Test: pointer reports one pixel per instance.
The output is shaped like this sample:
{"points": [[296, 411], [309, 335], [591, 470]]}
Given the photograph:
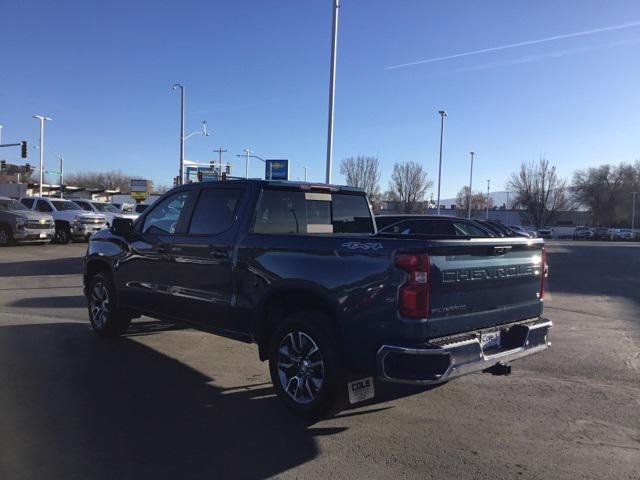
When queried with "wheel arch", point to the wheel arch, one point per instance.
{"points": [[286, 298]]}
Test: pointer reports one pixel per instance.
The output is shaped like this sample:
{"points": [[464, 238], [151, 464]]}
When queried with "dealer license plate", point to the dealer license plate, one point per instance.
{"points": [[489, 341]]}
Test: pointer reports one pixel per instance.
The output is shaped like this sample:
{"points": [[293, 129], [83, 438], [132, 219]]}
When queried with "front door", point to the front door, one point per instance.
{"points": [[147, 274]]}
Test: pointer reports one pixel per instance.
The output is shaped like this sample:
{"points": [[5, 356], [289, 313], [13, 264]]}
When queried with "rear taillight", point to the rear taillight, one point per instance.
{"points": [[413, 297], [544, 272]]}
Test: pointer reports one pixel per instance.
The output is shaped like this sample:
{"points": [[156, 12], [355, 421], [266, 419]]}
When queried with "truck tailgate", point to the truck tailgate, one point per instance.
{"points": [[480, 283]]}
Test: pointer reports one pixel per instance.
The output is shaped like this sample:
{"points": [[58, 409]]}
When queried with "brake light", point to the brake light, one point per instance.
{"points": [[413, 296], [544, 272]]}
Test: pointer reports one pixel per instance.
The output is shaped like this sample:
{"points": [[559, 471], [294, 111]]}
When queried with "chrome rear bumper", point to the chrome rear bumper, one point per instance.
{"points": [[441, 360]]}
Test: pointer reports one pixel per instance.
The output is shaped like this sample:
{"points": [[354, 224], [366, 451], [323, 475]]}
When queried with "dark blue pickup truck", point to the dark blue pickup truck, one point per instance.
{"points": [[300, 270]]}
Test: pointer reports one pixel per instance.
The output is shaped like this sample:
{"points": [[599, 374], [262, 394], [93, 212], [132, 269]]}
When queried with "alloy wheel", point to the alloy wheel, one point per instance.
{"points": [[99, 304], [300, 367]]}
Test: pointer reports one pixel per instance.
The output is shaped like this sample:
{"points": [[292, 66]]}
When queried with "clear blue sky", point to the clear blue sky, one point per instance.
{"points": [[257, 71]]}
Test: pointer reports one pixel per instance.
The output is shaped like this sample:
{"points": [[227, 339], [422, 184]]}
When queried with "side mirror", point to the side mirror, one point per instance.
{"points": [[122, 226]]}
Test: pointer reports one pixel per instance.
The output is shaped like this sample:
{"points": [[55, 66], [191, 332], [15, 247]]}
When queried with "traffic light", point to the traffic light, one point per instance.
{"points": [[227, 169], [23, 146], [27, 168], [175, 181], [3, 166], [199, 175]]}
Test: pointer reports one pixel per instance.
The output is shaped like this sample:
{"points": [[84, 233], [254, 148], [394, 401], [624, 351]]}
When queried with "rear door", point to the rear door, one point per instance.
{"points": [[480, 283]]}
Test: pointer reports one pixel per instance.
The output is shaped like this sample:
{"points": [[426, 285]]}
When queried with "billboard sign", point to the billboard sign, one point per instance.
{"points": [[139, 185], [276, 170]]}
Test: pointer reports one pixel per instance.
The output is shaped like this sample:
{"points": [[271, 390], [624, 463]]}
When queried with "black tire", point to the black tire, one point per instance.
{"points": [[107, 319], [63, 233], [6, 236], [308, 330]]}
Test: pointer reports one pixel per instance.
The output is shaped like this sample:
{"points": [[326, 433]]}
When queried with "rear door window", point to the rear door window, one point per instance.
{"points": [[290, 211]]}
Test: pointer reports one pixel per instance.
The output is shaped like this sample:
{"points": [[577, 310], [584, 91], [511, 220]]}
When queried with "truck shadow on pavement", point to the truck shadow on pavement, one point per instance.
{"points": [[77, 406], [55, 266]]}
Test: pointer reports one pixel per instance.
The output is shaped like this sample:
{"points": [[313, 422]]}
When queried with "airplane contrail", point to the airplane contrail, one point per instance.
{"points": [[519, 44]]}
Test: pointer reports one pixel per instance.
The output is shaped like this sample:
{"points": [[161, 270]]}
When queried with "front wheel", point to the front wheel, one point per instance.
{"points": [[106, 318], [63, 233], [6, 238], [304, 364]]}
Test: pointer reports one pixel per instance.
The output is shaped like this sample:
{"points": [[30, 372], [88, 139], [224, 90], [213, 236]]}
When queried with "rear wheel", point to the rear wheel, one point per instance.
{"points": [[6, 237], [63, 233], [304, 364], [107, 319]]}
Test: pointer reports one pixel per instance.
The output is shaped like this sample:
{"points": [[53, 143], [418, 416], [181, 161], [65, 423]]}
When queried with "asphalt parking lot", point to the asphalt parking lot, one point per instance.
{"points": [[168, 402]]}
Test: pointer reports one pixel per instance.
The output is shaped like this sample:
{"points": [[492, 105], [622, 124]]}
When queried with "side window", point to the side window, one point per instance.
{"points": [[432, 227], [215, 211], [43, 206], [281, 211], [165, 215], [27, 202], [465, 229]]}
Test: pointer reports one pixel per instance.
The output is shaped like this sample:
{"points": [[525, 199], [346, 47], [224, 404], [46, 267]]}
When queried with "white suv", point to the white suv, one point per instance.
{"points": [[70, 220], [106, 209]]}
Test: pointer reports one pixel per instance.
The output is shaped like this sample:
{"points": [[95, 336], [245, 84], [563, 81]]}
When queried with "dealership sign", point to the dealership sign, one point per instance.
{"points": [[276, 170]]}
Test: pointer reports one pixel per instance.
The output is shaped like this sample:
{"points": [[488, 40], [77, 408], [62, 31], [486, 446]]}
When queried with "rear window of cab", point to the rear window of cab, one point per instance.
{"points": [[307, 213]]}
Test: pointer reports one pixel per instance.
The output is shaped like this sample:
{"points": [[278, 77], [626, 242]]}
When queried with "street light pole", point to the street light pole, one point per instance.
{"points": [[470, 184], [248, 153], [442, 115], [488, 190], [332, 89], [1, 134], [305, 174], [180, 174], [61, 174], [42, 119]]}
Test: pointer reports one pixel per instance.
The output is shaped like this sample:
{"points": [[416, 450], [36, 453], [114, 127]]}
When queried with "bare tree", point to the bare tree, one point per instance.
{"points": [[539, 191], [408, 185], [606, 192], [363, 172], [478, 200], [108, 180]]}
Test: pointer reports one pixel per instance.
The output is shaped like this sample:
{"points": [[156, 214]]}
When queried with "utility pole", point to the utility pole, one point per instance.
{"points": [[1, 134], [633, 210], [442, 115], [332, 89], [181, 170], [246, 162], [470, 183], [305, 174], [220, 151], [42, 119], [488, 197], [61, 174]]}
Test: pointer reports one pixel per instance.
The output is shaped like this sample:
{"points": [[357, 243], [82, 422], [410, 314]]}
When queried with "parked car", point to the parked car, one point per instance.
{"points": [[583, 233], [430, 225], [602, 233], [70, 220], [18, 223], [109, 211], [125, 207], [545, 232], [299, 270], [503, 230], [623, 234], [140, 207], [522, 231]]}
